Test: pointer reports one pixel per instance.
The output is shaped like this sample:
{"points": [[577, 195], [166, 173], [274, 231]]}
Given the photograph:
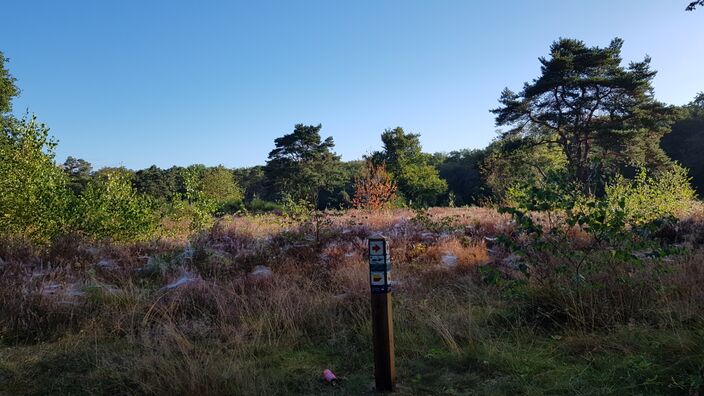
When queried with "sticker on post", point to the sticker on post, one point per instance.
{"points": [[379, 282], [377, 248], [378, 279]]}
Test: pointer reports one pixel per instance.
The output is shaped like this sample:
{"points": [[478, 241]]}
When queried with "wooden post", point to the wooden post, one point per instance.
{"points": [[382, 315]]}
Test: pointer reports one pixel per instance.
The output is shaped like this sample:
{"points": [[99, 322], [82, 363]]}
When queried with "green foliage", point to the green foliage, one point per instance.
{"points": [[33, 193], [418, 180], [194, 203], [564, 205], [302, 165], [79, 173], [297, 209], [219, 185], [311, 223], [161, 184], [685, 144], [614, 227], [461, 170], [593, 262], [509, 162], [425, 220], [252, 181], [421, 183], [260, 205], [340, 195], [110, 208], [602, 115], [647, 198], [8, 89]]}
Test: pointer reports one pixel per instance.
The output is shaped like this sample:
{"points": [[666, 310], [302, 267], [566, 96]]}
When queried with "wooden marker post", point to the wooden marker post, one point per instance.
{"points": [[382, 317]]}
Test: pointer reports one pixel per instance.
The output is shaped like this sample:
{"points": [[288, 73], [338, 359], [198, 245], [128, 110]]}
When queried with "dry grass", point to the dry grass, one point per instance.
{"points": [[223, 328]]}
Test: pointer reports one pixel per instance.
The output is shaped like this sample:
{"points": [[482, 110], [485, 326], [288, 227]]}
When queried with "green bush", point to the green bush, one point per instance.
{"points": [[33, 194], [230, 206], [583, 249], [650, 198], [260, 205], [110, 208]]}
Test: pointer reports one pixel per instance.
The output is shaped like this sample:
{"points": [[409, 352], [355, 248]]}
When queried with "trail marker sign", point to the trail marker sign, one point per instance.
{"points": [[379, 265], [382, 316]]}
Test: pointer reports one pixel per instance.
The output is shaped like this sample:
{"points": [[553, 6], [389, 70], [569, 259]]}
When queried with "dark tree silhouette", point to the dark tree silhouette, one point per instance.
{"points": [[693, 5], [302, 164]]}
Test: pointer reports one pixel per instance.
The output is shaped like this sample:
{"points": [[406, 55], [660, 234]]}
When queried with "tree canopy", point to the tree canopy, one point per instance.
{"points": [[79, 173], [602, 115], [8, 89], [693, 5], [461, 170], [303, 165], [33, 192], [418, 180], [685, 143], [162, 184]]}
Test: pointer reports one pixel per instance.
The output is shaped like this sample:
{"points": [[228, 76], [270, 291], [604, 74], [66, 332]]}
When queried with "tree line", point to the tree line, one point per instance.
{"points": [[587, 119]]}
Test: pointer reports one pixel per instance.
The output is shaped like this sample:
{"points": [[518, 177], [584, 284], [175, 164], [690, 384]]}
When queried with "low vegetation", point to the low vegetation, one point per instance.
{"points": [[257, 305]]}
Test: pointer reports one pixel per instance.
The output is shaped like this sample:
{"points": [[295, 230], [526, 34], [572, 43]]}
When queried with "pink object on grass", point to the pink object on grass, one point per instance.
{"points": [[329, 376]]}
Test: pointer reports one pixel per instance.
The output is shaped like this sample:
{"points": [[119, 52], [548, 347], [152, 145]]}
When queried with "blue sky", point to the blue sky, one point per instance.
{"points": [[136, 83]]}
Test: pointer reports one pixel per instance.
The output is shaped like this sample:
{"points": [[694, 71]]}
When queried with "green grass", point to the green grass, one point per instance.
{"points": [[511, 361]]}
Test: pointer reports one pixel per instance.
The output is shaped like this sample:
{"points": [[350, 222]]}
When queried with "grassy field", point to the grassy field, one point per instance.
{"points": [[263, 304]]}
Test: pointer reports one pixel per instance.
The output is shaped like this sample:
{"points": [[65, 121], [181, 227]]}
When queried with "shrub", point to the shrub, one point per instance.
{"points": [[33, 193], [373, 189], [260, 205], [230, 207], [110, 208], [608, 274], [194, 204], [650, 198], [425, 220], [218, 184]]}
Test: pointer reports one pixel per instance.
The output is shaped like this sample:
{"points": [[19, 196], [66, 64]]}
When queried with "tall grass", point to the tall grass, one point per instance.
{"points": [[112, 326]]}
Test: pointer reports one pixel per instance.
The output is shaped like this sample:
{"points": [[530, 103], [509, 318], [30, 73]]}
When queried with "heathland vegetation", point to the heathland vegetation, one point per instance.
{"points": [[564, 258]]}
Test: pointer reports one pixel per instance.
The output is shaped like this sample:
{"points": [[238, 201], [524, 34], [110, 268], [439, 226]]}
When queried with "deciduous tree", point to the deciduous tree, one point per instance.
{"points": [[161, 184], [220, 186], [8, 89], [110, 208], [373, 189], [417, 178], [33, 193]]}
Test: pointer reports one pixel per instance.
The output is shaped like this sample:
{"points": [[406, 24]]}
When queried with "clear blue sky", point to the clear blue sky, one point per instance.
{"points": [[136, 83]]}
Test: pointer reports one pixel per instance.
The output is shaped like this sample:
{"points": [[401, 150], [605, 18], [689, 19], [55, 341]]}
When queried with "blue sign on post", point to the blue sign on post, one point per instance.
{"points": [[379, 265]]}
